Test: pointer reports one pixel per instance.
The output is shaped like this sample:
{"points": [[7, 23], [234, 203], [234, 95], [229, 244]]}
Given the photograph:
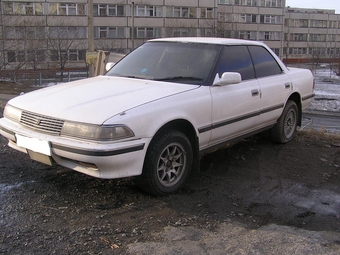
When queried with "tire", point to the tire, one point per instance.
{"points": [[285, 128], [167, 163]]}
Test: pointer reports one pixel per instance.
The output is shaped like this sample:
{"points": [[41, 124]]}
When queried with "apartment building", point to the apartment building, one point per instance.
{"points": [[54, 33], [311, 35]]}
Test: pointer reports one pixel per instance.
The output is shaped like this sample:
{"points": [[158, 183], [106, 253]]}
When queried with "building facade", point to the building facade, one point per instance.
{"points": [[54, 33]]}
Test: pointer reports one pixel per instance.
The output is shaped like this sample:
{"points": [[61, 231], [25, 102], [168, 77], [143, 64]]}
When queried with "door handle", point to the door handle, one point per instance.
{"points": [[255, 92], [287, 85]]}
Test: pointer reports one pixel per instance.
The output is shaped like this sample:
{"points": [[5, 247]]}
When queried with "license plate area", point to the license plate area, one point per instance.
{"points": [[34, 144], [42, 158]]}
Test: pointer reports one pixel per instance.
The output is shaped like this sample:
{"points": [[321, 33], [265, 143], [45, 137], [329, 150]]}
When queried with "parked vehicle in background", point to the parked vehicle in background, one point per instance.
{"points": [[157, 109]]}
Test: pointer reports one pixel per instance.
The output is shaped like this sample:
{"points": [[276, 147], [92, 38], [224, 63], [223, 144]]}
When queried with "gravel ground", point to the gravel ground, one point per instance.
{"points": [[253, 197]]}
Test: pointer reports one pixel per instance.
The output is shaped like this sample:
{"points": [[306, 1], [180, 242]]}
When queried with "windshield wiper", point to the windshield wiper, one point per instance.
{"points": [[175, 78]]}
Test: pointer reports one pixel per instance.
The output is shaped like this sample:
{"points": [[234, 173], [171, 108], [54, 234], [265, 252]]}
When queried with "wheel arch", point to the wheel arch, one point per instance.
{"points": [[295, 97], [188, 130]]}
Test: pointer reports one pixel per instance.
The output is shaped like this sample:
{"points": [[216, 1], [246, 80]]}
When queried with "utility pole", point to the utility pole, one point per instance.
{"points": [[133, 25], [2, 36], [90, 34]]}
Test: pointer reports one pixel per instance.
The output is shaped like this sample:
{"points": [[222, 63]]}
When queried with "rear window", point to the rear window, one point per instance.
{"points": [[264, 62]]}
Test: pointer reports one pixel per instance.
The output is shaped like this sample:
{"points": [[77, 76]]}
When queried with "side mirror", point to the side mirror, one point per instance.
{"points": [[109, 65], [228, 78]]}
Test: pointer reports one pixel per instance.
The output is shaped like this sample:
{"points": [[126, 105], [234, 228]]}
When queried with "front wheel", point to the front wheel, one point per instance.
{"points": [[167, 163], [285, 128]]}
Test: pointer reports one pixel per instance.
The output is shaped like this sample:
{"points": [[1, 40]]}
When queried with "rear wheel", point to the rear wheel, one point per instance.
{"points": [[285, 128], [167, 163]]}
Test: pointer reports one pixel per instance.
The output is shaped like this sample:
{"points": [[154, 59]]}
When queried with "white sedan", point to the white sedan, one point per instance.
{"points": [[156, 110]]}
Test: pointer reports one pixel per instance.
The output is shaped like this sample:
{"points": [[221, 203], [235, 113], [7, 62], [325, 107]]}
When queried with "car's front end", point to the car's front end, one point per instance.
{"points": [[86, 125]]}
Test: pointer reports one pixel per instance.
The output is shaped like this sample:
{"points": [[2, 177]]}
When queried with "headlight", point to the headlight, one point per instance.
{"points": [[96, 132], [12, 113]]}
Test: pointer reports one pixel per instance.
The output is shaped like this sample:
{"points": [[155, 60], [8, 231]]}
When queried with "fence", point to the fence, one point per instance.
{"points": [[43, 77]]}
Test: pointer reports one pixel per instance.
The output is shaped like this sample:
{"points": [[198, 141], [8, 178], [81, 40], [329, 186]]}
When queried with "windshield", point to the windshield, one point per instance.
{"points": [[189, 63]]}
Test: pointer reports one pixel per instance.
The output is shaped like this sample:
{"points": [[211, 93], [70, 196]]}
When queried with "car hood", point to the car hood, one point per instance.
{"points": [[96, 99]]}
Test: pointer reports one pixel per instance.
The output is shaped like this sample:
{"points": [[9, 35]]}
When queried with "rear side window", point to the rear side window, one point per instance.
{"points": [[264, 62], [236, 59]]}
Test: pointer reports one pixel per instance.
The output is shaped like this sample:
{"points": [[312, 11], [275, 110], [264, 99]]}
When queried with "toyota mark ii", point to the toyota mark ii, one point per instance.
{"points": [[159, 108]]}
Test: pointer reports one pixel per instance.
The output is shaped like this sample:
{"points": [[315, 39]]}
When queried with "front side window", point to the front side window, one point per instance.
{"points": [[236, 59], [264, 62]]}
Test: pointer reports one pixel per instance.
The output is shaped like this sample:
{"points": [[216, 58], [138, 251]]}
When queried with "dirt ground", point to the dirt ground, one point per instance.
{"points": [[253, 197]]}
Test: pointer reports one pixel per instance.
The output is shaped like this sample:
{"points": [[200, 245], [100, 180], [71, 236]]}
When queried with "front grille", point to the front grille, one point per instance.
{"points": [[41, 123]]}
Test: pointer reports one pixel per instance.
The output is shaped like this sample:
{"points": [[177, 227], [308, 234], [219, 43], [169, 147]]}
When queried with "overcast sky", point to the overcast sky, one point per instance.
{"points": [[315, 4]]}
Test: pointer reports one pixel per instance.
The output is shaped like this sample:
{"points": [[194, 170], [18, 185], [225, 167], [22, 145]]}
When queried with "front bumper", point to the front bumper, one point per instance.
{"points": [[103, 160]]}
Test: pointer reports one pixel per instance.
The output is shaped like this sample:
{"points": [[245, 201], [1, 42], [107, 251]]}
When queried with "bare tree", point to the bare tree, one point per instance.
{"points": [[317, 53], [62, 42], [216, 28]]}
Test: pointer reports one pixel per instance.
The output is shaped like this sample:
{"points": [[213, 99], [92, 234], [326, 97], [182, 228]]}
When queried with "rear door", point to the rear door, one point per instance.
{"points": [[275, 85]]}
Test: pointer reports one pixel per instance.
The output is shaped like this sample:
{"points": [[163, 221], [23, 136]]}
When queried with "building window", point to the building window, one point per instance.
{"points": [[66, 9], [15, 32], [23, 8], [297, 51], [269, 36], [12, 56], [181, 12], [317, 38], [71, 54], [148, 11], [109, 32], [332, 38], [331, 51], [271, 3], [25, 32], [26, 56], [297, 37], [36, 56], [248, 18], [67, 32], [298, 23], [224, 17], [246, 2], [224, 1], [270, 19], [207, 13], [248, 35], [317, 51], [333, 24], [147, 32], [318, 23], [108, 10], [183, 32]]}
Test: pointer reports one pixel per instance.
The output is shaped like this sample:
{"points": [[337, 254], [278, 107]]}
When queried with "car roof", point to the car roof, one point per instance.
{"points": [[211, 40]]}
